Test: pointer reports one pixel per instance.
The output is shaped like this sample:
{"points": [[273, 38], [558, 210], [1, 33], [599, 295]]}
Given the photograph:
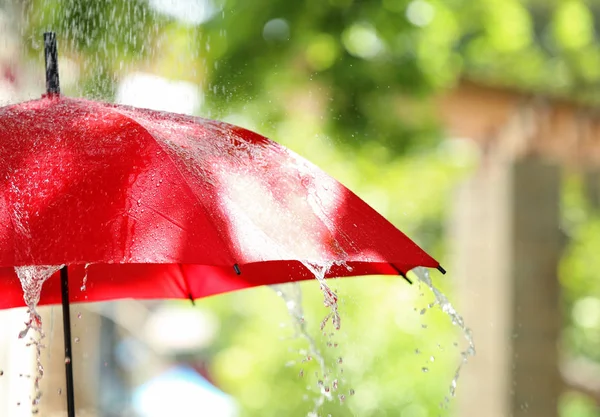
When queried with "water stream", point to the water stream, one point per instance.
{"points": [[329, 378], [292, 295], [442, 301], [32, 279]]}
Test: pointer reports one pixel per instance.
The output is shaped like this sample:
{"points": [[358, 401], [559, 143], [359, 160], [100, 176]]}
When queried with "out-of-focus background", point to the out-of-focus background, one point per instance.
{"points": [[471, 125]]}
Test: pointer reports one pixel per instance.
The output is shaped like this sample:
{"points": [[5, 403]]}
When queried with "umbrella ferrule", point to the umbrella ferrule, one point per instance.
{"points": [[51, 60]]}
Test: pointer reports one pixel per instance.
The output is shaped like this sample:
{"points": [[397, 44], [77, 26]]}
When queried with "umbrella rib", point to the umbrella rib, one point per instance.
{"points": [[187, 284], [402, 274]]}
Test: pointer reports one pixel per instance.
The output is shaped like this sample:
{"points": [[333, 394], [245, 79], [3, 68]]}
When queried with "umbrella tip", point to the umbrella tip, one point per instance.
{"points": [[442, 270], [51, 59]]}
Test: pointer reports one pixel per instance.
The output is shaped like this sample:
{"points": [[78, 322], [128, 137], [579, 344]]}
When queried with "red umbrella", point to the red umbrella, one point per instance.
{"points": [[170, 206]]}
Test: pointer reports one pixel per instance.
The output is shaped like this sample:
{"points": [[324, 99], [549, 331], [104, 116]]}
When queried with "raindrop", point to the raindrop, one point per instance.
{"points": [[334, 384], [60, 391], [425, 369], [351, 391], [301, 373], [432, 359], [79, 315], [417, 351], [76, 340], [342, 398], [67, 360]]}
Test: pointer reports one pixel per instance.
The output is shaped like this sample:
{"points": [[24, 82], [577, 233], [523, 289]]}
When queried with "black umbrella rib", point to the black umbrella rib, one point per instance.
{"points": [[402, 274]]}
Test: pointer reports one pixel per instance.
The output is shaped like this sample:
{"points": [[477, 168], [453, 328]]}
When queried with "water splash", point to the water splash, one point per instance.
{"points": [[291, 293], [32, 279], [442, 301], [330, 298], [85, 278]]}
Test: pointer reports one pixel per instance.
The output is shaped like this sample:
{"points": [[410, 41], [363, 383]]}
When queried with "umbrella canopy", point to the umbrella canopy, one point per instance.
{"points": [[148, 204], [171, 206]]}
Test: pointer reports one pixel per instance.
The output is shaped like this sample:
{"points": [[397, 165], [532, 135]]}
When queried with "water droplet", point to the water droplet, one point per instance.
{"points": [[60, 391], [67, 360], [334, 384], [78, 315], [351, 391], [76, 340], [340, 360], [417, 352], [425, 369], [301, 373], [423, 311], [342, 398], [432, 359]]}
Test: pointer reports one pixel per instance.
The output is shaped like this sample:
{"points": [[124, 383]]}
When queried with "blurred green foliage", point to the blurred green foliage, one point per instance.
{"points": [[347, 84]]}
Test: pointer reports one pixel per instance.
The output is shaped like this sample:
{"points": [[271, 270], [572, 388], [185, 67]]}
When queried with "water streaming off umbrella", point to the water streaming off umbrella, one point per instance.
{"points": [[444, 304], [292, 295], [32, 279]]}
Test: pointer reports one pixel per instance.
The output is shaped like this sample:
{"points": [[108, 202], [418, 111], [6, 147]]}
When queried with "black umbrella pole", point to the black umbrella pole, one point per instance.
{"points": [[51, 58], [64, 278]]}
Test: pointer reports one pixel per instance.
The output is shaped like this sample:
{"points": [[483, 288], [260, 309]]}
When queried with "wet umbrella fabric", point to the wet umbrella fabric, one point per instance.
{"points": [[171, 206]]}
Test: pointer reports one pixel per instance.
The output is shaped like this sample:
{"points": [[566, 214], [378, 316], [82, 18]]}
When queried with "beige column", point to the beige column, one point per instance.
{"points": [[507, 244]]}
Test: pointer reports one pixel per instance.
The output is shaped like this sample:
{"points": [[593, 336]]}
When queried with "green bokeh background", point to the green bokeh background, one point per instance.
{"points": [[349, 85]]}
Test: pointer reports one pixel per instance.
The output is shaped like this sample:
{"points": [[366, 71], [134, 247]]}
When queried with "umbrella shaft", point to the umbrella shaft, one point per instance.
{"points": [[64, 277]]}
